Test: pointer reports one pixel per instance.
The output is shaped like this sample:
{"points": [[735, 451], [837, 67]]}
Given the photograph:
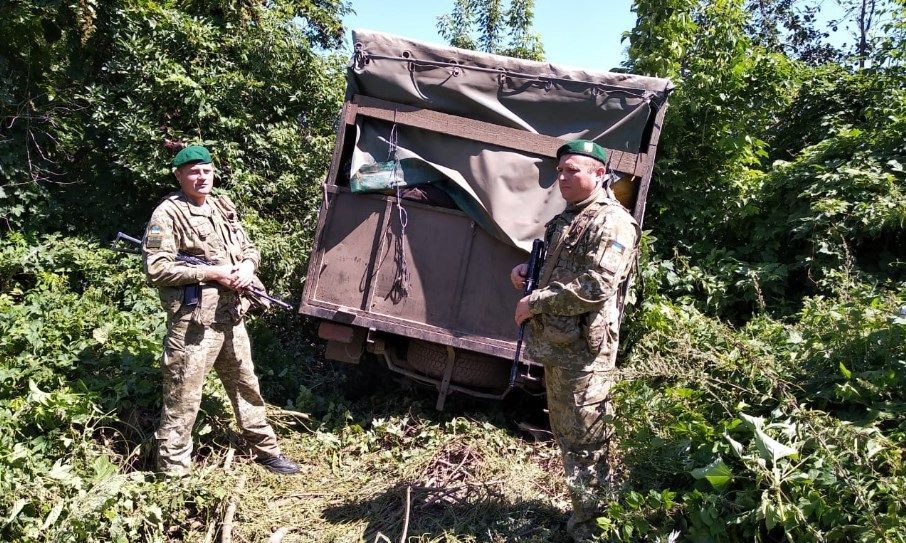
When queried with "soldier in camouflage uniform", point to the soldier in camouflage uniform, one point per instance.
{"points": [[211, 332], [575, 319]]}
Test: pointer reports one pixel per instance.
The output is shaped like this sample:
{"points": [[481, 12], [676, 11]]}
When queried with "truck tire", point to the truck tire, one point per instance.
{"points": [[470, 369]]}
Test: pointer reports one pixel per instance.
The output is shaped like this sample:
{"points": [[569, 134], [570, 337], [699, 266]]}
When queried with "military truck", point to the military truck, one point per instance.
{"points": [[443, 173]]}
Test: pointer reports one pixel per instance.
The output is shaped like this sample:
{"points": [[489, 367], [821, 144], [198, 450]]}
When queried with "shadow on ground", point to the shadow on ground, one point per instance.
{"points": [[433, 514]]}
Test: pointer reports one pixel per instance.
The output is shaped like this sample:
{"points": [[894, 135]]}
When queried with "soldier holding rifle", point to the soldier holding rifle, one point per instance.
{"points": [[574, 321], [205, 313]]}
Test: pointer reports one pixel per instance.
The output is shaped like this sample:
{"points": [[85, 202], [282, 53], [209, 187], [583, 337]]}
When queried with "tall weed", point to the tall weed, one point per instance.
{"points": [[787, 428]]}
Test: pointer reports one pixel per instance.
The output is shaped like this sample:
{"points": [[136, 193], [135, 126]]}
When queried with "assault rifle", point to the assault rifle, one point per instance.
{"points": [[533, 274], [193, 292]]}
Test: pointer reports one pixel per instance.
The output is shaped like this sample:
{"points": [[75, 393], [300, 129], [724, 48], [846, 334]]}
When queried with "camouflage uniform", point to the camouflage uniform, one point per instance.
{"points": [[574, 333], [211, 334]]}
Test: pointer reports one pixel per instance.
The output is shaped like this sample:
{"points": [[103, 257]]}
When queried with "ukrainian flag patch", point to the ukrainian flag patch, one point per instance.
{"points": [[613, 256], [155, 237]]}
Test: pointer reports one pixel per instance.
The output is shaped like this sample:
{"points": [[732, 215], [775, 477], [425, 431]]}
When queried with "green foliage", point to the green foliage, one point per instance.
{"points": [[483, 25], [96, 98], [79, 342], [778, 206], [73, 312], [784, 174], [790, 427], [662, 34], [793, 28], [109, 115]]}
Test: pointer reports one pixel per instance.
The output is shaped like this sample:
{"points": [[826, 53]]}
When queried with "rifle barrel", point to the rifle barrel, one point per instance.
{"points": [[533, 271], [120, 235]]}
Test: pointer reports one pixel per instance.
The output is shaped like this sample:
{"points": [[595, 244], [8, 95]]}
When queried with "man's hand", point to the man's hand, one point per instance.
{"points": [[223, 274], [517, 276], [243, 276], [522, 310]]}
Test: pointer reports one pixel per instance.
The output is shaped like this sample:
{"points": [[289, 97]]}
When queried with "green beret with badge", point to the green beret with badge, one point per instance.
{"points": [[583, 147], [193, 154]]}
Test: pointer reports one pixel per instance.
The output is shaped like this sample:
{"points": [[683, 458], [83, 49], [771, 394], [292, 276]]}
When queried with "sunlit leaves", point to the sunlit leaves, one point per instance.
{"points": [[717, 473], [493, 26]]}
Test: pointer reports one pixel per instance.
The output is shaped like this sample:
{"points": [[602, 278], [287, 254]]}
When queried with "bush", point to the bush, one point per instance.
{"points": [[80, 340], [782, 428]]}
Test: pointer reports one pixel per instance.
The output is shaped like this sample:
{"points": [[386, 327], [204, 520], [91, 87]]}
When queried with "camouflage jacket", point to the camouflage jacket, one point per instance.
{"points": [[212, 232], [590, 246]]}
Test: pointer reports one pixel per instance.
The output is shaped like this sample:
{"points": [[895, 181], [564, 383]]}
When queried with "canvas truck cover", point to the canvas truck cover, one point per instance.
{"points": [[500, 168]]}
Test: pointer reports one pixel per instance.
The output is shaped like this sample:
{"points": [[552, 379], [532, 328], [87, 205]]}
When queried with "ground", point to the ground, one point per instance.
{"points": [[374, 456]]}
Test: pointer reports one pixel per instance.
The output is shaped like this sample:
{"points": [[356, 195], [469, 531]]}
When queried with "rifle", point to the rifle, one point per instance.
{"points": [[192, 292], [533, 274]]}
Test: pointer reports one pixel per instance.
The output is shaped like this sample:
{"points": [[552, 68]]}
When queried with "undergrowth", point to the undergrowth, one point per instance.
{"points": [[784, 428], [781, 429], [80, 392]]}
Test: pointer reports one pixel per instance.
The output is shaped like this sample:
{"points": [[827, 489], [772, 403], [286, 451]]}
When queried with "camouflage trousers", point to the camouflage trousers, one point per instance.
{"points": [[190, 351], [578, 399]]}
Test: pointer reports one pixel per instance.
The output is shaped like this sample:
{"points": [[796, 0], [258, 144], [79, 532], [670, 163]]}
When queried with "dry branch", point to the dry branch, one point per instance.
{"points": [[227, 533]]}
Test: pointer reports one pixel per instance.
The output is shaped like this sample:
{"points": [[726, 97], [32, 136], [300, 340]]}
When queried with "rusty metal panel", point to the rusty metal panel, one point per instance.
{"points": [[488, 299], [459, 275], [349, 245], [434, 247]]}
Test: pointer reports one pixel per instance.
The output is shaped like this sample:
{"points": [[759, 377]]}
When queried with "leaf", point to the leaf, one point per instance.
{"points": [[737, 446], [873, 447], [53, 515], [103, 468], [772, 517], [60, 471], [15, 510], [101, 333], [154, 513], [756, 422], [770, 448], [35, 393], [845, 372], [717, 473]]}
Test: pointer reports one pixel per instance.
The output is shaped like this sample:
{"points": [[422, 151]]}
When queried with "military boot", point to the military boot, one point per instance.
{"points": [[279, 464]]}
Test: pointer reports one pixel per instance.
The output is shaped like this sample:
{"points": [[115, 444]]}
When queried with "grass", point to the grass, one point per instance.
{"points": [[385, 463]]}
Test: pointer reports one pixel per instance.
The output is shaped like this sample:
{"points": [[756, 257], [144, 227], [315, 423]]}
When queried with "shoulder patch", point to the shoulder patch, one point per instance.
{"points": [[155, 237], [613, 256]]}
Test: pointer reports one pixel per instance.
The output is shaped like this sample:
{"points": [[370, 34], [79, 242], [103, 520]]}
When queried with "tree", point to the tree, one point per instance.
{"points": [[484, 25], [96, 97], [863, 18], [790, 27], [728, 92]]}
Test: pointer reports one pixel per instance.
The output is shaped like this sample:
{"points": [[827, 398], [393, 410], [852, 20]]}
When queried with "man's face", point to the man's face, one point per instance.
{"points": [[578, 176], [196, 180]]}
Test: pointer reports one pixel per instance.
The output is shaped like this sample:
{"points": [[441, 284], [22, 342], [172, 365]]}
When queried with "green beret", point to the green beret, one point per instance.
{"points": [[583, 147], [194, 154]]}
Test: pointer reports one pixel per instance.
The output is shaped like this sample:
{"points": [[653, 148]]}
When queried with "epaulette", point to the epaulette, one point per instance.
{"points": [[172, 197], [225, 205]]}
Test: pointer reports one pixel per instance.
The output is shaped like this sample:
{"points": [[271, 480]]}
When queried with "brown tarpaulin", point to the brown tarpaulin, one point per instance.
{"points": [[514, 189]]}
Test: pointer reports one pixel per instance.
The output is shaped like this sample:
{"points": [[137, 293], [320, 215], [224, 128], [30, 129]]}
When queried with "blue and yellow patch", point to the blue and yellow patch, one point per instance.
{"points": [[155, 237], [613, 256]]}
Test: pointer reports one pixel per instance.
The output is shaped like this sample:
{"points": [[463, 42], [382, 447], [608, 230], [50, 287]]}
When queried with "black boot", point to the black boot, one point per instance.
{"points": [[279, 464]]}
